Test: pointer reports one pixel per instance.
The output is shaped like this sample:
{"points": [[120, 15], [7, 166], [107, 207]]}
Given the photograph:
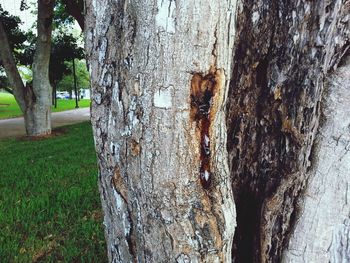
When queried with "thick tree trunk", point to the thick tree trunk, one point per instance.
{"points": [[159, 77], [285, 51], [35, 100], [159, 73]]}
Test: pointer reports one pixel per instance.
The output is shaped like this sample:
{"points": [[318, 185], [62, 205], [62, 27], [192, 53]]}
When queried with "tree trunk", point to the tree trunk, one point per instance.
{"points": [[159, 73], [35, 100], [160, 109], [9, 64], [325, 218], [38, 111], [285, 51]]}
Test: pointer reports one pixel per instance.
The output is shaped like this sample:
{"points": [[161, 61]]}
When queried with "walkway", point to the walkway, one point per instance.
{"points": [[15, 127]]}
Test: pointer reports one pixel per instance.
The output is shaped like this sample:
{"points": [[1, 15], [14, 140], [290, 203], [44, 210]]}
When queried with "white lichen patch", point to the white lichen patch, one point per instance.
{"points": [[102, 51], [255, 17], [164, 16], [118, 200], [162, 98]]}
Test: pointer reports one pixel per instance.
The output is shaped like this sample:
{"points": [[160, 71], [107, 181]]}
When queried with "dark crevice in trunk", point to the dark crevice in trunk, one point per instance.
{"points": [[248, 221]]}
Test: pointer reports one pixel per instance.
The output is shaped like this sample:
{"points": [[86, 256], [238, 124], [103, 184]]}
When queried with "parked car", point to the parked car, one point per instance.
{"points": [[62, 95]]}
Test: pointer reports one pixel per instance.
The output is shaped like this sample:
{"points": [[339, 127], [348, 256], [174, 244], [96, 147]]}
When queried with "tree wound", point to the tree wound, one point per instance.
{"points": [[203, 89]]}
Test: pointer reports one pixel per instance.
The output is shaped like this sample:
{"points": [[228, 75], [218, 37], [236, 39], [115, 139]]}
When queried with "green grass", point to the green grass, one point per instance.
{"points": [[10, 109], [49, 201]]}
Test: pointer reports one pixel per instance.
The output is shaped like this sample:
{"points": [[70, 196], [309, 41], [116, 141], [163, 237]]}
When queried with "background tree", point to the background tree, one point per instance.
{"points": [[67, 81], [64, 50], [4, 83], [64, 47], [34, 100], [156, 70]]}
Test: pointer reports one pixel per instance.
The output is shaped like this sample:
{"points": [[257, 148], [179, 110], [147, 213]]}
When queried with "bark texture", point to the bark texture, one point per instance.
{"points": [[159, 73], [325, 218], [285, 50]]}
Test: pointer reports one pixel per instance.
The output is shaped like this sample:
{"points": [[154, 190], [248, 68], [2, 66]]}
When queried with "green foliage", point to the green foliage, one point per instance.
{"points": [[65, 45], [15, 35], [64, 48], [49, 201], [9, 107], [61, 17], [83, 80]]}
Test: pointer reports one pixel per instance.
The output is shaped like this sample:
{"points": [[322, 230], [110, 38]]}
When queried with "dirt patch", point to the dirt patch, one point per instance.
{"points": [[55, 132], [4, 105]]}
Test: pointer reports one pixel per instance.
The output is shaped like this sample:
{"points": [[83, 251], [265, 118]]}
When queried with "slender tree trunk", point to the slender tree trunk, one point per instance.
{"points": [[75, 86], [159, 73], [11, 70], [34, 100]]}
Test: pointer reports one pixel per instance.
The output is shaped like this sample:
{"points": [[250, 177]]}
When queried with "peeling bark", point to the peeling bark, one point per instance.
{"points": [[145, 60], [285, 51]]}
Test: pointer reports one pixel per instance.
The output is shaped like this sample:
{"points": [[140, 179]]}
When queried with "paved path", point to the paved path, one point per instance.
{"points": [[15, 127]]}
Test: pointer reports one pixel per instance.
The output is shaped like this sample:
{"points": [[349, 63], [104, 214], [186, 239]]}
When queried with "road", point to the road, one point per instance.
{"points": [[15, 126]]}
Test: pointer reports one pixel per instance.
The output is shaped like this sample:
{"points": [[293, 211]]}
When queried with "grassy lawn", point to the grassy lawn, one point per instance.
{"points": [[9, 107], [49, 201]]}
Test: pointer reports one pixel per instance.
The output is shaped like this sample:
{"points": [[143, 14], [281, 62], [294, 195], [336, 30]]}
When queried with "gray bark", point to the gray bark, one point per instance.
{"points": [[322, 231], [35, 100], [38, 111], [159, 74], [165, 195], [285, 52]]}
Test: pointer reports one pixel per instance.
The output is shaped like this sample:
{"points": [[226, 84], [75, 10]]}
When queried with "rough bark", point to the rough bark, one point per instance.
{"points": [[325, 217], [34, 100], [285, 51], [159, 73]]}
